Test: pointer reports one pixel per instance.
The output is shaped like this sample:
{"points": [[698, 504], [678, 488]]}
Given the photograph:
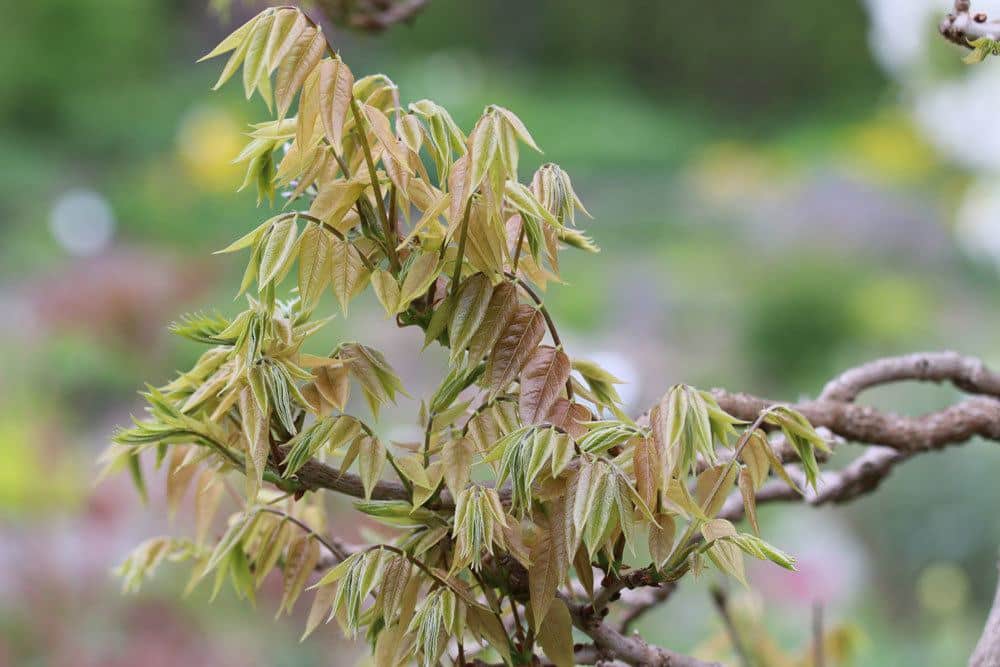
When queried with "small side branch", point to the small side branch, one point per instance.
{"points": [[632, 650]]}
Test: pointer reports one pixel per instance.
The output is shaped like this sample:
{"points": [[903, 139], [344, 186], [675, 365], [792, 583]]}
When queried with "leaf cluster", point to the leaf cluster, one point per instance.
{"points": [[528, 459]]}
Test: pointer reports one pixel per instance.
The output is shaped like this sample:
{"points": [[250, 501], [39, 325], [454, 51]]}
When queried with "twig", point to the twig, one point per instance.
{"points": [[819, 655], [721, 601]]}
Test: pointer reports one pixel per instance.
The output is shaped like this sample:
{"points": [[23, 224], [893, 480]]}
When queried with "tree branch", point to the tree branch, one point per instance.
{"points": [[987, 651], [962, 27], [863, 424], [633, 650]]}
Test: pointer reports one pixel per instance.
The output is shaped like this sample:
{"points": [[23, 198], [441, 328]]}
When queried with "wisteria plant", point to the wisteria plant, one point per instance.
{"points": [[533, 500]]}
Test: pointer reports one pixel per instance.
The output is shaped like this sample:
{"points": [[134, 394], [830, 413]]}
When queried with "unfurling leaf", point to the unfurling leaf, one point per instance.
{"points": [[801, 436]]}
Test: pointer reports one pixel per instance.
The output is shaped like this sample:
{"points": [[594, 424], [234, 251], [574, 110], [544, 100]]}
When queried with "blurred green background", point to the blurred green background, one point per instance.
{"points": [[781, 189]]}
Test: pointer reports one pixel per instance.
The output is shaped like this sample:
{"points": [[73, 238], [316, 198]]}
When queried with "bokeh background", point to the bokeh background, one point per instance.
{"points": [[781, 189]]}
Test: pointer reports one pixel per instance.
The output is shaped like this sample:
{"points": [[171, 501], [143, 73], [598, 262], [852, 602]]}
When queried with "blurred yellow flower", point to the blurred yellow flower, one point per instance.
{"points": [[888, 146], [943, 588], [208, 139]]}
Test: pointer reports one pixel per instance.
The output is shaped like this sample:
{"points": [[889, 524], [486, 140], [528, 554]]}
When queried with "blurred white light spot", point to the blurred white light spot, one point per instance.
{"points": [[82, 222], [624, 369], [978, 224]]}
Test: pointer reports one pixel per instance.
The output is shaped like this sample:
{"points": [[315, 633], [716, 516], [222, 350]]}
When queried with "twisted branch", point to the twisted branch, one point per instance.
{"points": [[962, 27]]}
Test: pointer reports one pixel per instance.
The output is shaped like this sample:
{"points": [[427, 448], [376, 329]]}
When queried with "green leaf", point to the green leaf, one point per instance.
{"points": [[277, 251], [421, 273], [483, 144], [315, 264], [470, 309], [387, 290]]}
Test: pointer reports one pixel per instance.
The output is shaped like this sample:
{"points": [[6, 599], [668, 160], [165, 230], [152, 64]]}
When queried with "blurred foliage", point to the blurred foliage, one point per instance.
{"points": [[802, 52]]}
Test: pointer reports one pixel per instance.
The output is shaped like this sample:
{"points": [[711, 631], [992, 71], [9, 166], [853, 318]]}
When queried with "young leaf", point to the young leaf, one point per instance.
{"points": [[471, 305], [303, 554], [315, 264], [523, 333], [457, 455], [718, 479], [483, 143], [661, 538], [302, 56], [336, 83], [387, 290], [322, 602], [349, 272], [543, 377], [277, 253], [499, 310], [555, 635], [749, 498], [549, 564], [372, 461], [421, 273]]}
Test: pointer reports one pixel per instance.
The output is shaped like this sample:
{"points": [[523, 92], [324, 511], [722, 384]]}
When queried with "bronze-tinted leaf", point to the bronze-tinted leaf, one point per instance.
{"points": [[303, 553], [661, 538], [335, 199], [458, 185], [499, 310], [570, 417], [646, 469], [547, 571], [387, 290], [333, 385], [543, 377], [713, 488], [749, 498], [556, 635], [523, 333]]}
